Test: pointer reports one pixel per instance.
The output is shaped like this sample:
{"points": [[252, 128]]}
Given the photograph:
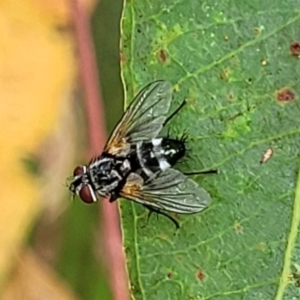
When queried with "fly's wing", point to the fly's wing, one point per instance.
{"points": [[170, 190], [143, 119]]}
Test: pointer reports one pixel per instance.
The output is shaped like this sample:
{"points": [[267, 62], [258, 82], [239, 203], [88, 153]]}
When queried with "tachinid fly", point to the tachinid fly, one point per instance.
{"points": [[137, 164]]}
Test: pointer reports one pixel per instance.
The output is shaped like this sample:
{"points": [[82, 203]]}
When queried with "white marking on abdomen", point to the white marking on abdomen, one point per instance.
{"points": [[168, 152], [163, 164], [156, 142]]}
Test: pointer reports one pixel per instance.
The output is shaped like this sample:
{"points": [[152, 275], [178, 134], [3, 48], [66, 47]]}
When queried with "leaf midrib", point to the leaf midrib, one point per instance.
{"points": [[286, 270]]}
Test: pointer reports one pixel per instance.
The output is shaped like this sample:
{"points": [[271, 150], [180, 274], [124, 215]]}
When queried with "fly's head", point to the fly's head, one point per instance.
{"points": [[81, 185], [103, 176]]}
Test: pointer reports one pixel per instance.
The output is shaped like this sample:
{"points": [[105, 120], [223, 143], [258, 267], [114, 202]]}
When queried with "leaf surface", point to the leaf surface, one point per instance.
{"points": [[231, 60]]}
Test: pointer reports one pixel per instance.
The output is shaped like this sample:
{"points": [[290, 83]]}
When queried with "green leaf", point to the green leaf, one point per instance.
{"points": [[231, 60]]}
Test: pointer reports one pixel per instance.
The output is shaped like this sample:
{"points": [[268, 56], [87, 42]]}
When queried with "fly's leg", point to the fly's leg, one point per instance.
{"points": [[113, 196], [209, 172], [159, 212], [175, 112]]}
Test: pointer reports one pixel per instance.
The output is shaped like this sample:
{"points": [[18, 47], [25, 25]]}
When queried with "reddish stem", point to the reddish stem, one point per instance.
{"points": [[111, 233]]}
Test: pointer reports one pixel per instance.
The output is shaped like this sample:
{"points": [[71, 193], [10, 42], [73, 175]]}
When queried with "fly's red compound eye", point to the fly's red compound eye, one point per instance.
{"points": [[87, 195], [79, 170]]}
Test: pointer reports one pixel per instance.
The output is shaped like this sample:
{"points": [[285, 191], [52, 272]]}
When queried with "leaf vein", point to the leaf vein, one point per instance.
{"points": [[290, 244]]}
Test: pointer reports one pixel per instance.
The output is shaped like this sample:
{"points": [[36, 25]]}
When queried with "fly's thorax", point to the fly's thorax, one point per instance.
{"points": [[159, 154], [102, 176], [108, 173]]}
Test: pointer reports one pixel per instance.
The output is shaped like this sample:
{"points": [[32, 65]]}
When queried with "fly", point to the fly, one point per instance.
{"points": [[137, 164]]}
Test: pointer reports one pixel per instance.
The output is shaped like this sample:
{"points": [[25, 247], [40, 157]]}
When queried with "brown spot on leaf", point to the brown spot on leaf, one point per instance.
{"points": [[230, 96], [170, 275], [200, 275], [238, 227], [285, 95], [162, 55], [225, 74], [295, 48], [256, 31]]}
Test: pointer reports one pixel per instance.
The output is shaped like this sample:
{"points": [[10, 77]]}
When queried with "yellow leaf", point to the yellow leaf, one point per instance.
{"points": [[37, 71]]}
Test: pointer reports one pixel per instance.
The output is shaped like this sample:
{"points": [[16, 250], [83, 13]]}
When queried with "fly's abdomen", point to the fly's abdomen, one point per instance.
{"points": [[172, 150], [159, 154]]}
